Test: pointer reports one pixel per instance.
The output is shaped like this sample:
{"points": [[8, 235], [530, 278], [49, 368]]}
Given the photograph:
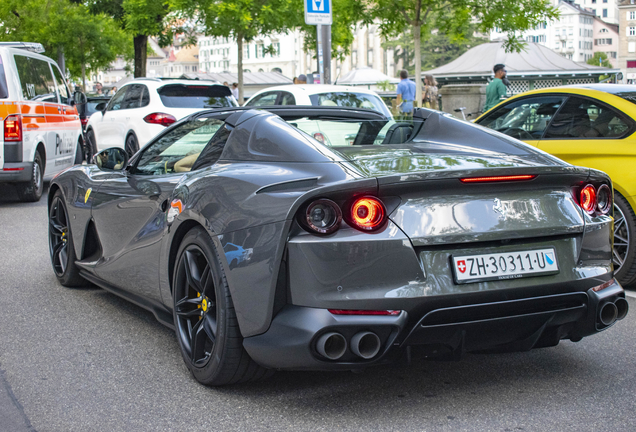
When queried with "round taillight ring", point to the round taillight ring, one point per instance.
{"points": [[323, 216], [588, 199], [604, 199], [367, 213]]}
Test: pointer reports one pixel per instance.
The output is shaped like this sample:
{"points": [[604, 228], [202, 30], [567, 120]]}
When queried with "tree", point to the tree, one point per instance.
{"points": [[347, 15], [599, 59], [244, 20], [62, 27], [437, 48], [452, 17]]}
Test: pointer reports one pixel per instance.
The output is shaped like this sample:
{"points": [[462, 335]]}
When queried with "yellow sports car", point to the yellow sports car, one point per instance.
{"points": [[590, 125]]}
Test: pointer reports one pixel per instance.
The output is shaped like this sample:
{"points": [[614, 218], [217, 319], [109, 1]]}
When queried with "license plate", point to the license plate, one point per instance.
{"points": [[501, 266]]}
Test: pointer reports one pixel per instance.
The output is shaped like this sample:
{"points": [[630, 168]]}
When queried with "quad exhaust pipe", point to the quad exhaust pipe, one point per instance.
{"points": [[331, 345], [610, 312], [365, 344]]}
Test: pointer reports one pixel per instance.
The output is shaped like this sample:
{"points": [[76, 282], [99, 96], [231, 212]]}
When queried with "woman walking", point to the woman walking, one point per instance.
{"points": [[429, 93]]}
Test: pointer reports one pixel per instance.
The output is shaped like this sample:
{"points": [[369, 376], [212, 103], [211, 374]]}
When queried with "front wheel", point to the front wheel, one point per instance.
{"points": [[204, 317], [91, 144], [61, 244], [624, 252]]}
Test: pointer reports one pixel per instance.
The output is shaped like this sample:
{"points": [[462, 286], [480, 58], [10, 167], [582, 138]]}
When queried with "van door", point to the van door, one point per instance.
{"points": [[41, 113], [72, 126]]}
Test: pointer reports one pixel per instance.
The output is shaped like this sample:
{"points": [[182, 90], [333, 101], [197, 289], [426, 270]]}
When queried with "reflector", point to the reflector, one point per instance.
{"points": [[364, 312]]}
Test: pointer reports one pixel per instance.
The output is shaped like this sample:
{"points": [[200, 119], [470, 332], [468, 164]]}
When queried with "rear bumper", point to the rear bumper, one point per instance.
{"points": [[446, 331], [14, 172]]}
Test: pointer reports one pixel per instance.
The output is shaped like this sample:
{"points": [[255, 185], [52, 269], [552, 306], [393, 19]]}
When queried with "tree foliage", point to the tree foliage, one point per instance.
{"points": [[453, 18], [244, 20], [89, 42], [599, 59]]}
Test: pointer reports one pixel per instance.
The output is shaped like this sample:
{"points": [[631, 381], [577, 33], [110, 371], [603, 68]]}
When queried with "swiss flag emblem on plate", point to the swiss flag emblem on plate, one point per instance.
{"points": [[461, 266]]}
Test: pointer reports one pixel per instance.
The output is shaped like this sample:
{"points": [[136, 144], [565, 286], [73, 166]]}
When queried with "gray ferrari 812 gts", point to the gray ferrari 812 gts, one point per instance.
{"points": [[336, 238]]}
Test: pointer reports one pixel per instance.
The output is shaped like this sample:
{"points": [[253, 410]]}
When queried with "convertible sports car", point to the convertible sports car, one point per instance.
{"points": [[266, 249]]}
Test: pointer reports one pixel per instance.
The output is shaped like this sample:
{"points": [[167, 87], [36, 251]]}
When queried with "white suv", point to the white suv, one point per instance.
{"points": [[320, 95], [144, 107]]}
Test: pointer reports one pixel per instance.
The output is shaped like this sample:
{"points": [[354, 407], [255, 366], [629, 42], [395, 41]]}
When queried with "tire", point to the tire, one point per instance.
{"points": [[61, 244], [205, 321], [31, 191], [624, 253], [132, 146], [91, 144]]}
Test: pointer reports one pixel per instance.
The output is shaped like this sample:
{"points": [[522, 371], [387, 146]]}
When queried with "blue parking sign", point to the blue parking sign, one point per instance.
{"points": [[318, 12]]}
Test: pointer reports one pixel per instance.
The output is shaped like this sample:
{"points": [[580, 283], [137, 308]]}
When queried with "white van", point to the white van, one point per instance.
{"points": [[42, 133]]}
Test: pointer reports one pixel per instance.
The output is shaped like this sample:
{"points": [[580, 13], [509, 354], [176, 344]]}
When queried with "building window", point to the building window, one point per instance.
{"points": [[631, 64], [631, 15], [631, 47], [631, 31], [604, 13]]}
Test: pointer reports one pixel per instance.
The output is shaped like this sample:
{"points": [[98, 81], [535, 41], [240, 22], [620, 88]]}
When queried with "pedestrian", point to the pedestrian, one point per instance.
{"points": [[429, 94], [226, 84], [295, 80], [302, 79], [98, 88], [405, 95], [496, 88], [235, 91], [113, 90]]}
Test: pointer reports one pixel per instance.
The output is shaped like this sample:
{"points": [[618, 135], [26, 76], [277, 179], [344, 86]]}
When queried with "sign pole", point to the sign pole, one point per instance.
{"points": [[319, 57], [326, 54], [318, 13]]}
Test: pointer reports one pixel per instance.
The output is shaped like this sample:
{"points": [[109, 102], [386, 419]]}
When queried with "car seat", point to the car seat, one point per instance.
{"points": [[398, 133]]}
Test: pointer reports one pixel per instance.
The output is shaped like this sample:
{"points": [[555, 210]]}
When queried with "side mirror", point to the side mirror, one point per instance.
{"points": [[111, 159]]}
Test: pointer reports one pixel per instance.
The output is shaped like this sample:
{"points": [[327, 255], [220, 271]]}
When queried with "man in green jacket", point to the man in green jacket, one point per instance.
{"points": [[496, 89]]}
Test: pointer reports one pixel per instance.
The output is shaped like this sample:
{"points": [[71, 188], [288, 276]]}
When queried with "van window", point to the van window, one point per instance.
{"points": [[36, 80], [62, 89], [4, 90]]}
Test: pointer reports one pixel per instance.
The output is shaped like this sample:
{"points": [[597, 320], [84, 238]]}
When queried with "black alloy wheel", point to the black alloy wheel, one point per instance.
{"points": [[205, 322], [61, 244], [131, 146], [624, 251], [195, 305]]}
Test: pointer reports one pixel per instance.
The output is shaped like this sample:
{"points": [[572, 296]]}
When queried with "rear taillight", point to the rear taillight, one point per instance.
{"points": [[367, 213], [588, 199], [160, 118], [13, 128], [319, 137], [322, 216], [489, 179], [363, 312], [604, 199], [84, 121]]}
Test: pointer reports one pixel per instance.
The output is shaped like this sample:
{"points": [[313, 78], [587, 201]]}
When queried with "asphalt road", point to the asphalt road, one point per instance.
{"points": [[85, 360]]}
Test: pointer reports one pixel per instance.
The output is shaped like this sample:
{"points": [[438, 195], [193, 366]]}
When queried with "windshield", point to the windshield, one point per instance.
{"points": [[357, 132], [196, 96], [350, 100], [629, 96]]}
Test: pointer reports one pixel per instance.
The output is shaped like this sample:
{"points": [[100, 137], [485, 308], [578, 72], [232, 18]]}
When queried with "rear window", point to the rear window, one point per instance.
{"points": [[350, 100], [195, 96], [4, 90]]}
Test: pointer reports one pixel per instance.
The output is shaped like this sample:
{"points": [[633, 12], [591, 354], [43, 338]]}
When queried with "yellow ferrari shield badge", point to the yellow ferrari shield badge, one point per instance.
{"points": [[88, 193]]}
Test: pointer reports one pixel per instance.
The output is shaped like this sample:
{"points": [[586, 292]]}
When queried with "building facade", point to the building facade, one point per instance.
{"points": [[606, 40], [607, 10], [627, 40], [572, 35]]}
